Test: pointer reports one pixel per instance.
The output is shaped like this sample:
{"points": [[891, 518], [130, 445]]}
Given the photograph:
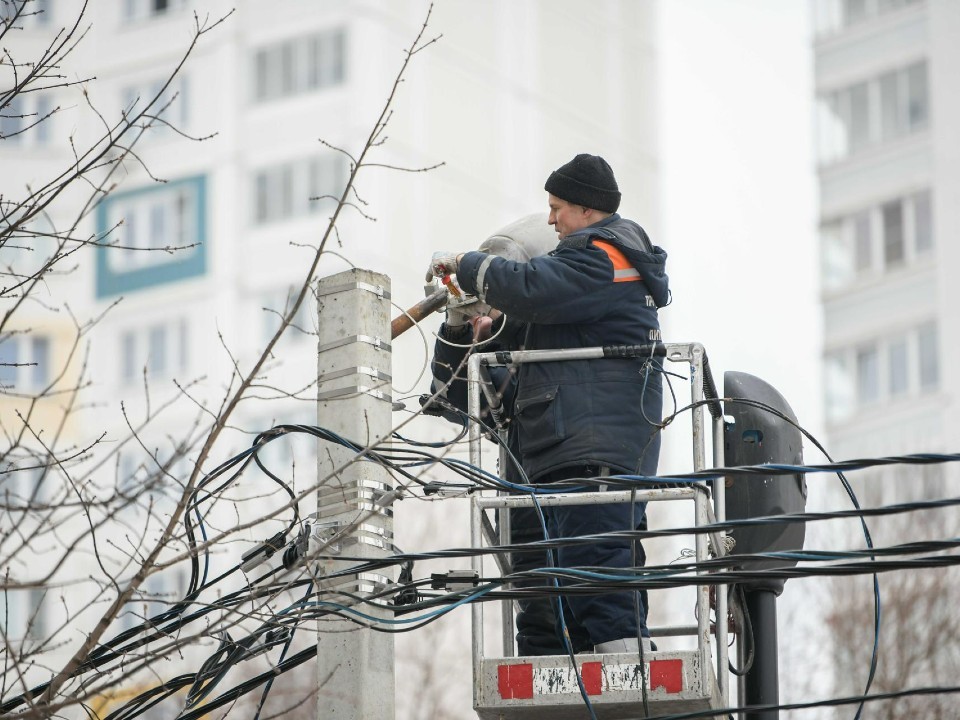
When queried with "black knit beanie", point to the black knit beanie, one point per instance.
{"points": [[586, 180]]}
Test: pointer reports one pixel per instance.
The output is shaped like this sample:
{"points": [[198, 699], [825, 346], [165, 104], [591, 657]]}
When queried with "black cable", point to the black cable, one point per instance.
{"points": [[286, 648], [111, 649], [636, 609], [728, 525], [401, 458]]}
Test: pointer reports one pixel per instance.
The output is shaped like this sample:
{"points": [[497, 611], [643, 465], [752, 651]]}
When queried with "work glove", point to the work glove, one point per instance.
{"points": [[441, 264]]}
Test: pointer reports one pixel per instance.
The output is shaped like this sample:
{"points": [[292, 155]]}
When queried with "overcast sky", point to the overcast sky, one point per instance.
{"points": [[739, 214]]}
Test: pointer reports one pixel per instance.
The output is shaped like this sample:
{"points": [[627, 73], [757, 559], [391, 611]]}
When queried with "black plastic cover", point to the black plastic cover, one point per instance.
{"points": [[754, 437]]}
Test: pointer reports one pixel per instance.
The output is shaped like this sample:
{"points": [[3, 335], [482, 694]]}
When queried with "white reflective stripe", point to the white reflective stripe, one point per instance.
{"points": [[481, 273], [626, 273], [555, 681]]}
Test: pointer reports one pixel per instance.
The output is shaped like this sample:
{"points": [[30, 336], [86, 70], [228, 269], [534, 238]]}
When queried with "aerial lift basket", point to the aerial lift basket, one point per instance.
{"points": [[530, 688]]}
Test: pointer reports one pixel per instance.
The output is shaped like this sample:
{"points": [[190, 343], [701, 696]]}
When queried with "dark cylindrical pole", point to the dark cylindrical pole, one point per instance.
{"points": [[762, 684]]}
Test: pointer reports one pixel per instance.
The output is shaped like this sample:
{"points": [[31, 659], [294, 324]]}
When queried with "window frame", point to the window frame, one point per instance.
{"points": [[299, 65], [872, 112]]}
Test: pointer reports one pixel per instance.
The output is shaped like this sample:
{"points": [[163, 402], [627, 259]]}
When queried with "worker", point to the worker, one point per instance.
{"points": [[601, 285], [473, 326]]}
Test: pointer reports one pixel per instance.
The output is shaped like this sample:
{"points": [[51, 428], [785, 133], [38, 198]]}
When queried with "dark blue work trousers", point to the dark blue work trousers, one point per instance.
{"points": [[594, 619], [590, 619]]}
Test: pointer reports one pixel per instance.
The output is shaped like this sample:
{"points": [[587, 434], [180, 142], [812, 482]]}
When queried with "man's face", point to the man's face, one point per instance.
{"points": [[567, 217]]}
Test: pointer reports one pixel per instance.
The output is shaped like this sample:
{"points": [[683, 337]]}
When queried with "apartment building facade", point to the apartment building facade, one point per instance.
{"points": [[214, 233], [888, 169]]}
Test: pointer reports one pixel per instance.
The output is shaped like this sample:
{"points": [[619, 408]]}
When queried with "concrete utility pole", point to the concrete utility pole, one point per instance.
{"points": [[355, 664]]}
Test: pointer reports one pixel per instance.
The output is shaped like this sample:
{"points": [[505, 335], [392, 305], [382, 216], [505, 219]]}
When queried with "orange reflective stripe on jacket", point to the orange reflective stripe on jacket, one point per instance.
{"points": [[623, 271]]}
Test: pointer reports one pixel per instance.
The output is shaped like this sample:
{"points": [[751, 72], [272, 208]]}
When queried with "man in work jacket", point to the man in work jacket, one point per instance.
{"points": [[602, 285], [467, 329]]}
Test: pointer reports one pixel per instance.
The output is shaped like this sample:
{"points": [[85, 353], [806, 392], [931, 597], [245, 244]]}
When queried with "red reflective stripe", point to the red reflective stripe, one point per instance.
{"points": [[623, 271], [515, 682], [666, 674], [592, 675]]}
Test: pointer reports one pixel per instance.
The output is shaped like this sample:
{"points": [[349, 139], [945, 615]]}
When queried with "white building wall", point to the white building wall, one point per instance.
{"points": [[507, 94]]}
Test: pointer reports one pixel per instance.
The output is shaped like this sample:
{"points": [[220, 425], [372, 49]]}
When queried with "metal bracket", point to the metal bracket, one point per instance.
{"points": [[377, 290], [355, 390], [358, 370], [323, 532], [369, 339]]}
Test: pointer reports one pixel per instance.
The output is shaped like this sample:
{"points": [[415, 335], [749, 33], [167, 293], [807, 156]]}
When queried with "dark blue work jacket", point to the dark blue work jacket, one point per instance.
{"points": [[601, 286]]}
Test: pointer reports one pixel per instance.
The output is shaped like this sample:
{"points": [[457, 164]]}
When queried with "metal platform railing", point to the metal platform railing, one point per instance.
{"points": [[676, 681]]}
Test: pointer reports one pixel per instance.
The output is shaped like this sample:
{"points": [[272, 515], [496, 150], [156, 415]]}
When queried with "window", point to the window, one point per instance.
{"points": [[868, 375], [150, 226], [854, 11], [832, 16], [128, 351], [26, 120], [26, 480], [23, 614], [875, 110], [162, 348], [859, 116], [28, 249], [158, 236], [34, 13], [300, 65], [157, 350], [40, 372], [130, 473], [37, 623], [12, 119], [918, 99], [16, 484], [171, 105], [142, 9], [836, 256], [882, 238], [42, 8], [928, 355], [862, 242], [903, 101], [277, 303], [44, 108], [897, 367], [922, 222], [832, 136], [891, 120], [25, 362], [13, 614], [838, 382], [298, 188], [884, 370], [9, 361], [893, 252]]}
